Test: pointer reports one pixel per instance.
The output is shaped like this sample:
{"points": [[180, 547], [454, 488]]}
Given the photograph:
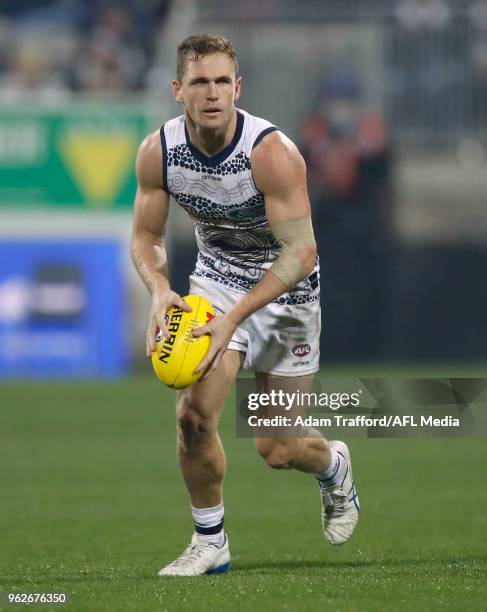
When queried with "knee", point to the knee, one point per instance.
{"points": [[194, 425], [276, 453]]}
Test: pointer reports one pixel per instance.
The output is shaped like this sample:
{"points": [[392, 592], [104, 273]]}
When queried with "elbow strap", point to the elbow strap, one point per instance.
{"points": [[292, 236]]}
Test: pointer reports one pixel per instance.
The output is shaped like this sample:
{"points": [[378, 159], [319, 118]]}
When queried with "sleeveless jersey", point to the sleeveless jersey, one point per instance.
{"points": [[235, 244]]}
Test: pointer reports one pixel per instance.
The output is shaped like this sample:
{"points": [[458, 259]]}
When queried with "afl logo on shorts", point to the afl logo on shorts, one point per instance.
{"points": [[301, 350]]}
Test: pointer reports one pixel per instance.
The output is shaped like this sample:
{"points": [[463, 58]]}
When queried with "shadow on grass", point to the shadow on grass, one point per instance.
{"points": [[417, 562], [449, 565]]}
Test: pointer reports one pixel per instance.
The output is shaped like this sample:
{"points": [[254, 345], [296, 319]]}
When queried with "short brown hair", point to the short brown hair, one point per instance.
{"points": [[203, 44]]}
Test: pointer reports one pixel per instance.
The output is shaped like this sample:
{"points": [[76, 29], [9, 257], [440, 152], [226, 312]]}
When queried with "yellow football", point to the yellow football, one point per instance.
{"points": [[176, 357]]}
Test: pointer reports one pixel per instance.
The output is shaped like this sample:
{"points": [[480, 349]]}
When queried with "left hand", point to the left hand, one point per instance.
{"points": [[221, 329]]}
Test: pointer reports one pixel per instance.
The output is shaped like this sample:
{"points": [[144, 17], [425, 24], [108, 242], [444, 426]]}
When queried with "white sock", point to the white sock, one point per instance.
{"points": [[335, 472], [208, 524]]}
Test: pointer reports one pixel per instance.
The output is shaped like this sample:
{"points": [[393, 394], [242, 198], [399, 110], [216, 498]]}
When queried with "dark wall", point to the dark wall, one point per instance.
{"points": [[421, 304], [438, 304]]}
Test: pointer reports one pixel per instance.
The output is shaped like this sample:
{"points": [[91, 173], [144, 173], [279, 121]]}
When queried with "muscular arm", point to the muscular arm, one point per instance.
{"points": [[151, 208], [148, 251], [280, 174]]}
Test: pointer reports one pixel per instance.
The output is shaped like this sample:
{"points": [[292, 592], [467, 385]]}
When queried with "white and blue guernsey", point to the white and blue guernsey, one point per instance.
{"points": [[234, 240]]}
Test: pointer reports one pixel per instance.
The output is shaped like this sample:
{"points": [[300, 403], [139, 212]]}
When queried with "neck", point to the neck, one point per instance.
{"points": [[211, 141]]}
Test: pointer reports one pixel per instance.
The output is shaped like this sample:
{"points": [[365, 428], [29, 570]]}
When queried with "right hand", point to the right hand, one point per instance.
{"points": [[161, 302]]}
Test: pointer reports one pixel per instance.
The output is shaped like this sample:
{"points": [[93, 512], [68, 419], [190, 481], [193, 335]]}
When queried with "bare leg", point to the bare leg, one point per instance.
{"points": [[309, 452], [312, 453], [200, 450]]}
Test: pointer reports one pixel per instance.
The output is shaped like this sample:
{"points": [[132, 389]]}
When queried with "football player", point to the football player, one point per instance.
{"points": [[244, 184]]}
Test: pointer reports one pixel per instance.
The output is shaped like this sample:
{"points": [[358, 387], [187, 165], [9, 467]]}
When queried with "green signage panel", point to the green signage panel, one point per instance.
{"points": [[79, 156]]}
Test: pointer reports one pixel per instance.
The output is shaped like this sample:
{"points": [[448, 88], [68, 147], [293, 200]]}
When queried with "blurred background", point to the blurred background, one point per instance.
{"points": [[387, 101]]}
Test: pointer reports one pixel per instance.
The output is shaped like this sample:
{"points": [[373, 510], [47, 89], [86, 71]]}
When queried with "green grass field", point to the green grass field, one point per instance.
{"points": [[92, 504]]}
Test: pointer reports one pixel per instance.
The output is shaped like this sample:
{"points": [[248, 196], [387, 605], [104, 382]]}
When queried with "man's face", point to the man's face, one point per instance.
{"points": [[208, 90]]}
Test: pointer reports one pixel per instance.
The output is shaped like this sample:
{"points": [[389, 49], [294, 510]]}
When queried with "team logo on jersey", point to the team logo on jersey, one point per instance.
{"points": [[301, 350]]}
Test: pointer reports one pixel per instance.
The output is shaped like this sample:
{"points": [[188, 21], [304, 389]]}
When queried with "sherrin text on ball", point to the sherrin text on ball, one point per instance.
{"points": [[177, 357]]}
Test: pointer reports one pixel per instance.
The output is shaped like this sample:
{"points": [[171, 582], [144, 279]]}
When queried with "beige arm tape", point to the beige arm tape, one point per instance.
{"points": [[292, 236]]}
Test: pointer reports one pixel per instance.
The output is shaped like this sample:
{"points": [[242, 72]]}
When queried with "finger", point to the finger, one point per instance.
{"points": [[212, 366], [184, 305], [151, 338], [201, 331], [161, 322], [206, 360]]}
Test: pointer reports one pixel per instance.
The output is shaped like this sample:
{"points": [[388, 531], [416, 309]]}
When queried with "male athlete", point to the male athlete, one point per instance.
{"points": [[244, 184]]}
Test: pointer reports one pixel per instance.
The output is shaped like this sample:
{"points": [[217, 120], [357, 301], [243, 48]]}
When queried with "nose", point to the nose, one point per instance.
{"points": [[212, 93]]}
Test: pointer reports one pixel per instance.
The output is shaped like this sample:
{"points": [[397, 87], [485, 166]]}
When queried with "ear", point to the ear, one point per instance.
{"points": [[176, 90], [238, 86]]}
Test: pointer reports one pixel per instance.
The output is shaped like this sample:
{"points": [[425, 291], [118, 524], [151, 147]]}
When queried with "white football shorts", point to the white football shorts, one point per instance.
{"points": [[280, 339]]}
